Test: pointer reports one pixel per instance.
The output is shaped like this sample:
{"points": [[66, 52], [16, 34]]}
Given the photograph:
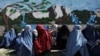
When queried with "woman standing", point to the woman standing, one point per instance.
{"points": [[25, 48], [43, 41], [62, 35]]}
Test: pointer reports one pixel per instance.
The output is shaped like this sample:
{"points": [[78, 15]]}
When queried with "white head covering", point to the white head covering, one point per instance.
{"points": [[35, 32], [28, 27]]}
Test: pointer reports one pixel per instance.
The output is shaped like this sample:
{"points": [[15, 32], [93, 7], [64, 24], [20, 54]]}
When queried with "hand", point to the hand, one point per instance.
{"points": [[96, 43]]}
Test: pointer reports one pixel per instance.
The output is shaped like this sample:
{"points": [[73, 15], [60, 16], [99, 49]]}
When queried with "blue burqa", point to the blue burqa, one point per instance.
{"points": [[76, 43], [9, 36], [16, 43], [26, 43], [92, 35]]}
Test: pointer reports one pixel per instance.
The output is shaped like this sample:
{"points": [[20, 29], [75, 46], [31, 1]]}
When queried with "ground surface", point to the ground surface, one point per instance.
{"points": [[7, 52]]}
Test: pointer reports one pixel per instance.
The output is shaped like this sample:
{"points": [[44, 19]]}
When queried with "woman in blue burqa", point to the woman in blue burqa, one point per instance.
{"points": [[26, 42], [93, 37], [9, 36], [76, 41], [17, 42]]}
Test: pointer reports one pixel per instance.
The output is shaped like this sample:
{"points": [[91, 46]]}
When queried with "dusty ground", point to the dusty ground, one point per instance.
{"points": [[5, 52]]}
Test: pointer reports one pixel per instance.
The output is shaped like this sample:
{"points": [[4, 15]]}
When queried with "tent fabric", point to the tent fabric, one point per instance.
{"points": [[9, 36], [26, 46], [76, 42], [92, 35], [43, 41]]}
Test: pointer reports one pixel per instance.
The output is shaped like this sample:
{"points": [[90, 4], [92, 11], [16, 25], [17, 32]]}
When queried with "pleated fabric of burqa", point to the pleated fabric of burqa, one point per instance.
{"points": [[26, 42], [16, 44], [92, 35], [9, 36], [43, 41], [76, 43]]}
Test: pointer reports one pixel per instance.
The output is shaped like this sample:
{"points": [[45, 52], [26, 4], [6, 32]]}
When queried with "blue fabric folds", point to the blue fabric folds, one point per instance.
{"points": [[16, 43], [75, 19], [92, 20], [8, 38], [76, 42], [26, 44], [92, 35]]}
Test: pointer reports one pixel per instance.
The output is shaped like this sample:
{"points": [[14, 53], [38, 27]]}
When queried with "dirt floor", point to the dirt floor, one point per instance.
{"points": [[8, 52]]}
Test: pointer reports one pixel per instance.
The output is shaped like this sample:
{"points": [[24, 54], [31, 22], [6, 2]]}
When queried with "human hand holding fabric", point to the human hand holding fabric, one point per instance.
{"points": [[97, 43]]}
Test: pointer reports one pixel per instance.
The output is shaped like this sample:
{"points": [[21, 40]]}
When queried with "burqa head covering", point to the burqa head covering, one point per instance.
{"points": [[8, 38], [62, 35], [40, 29], [90, 31], [76, 42], [28, 27], [43, 42], [78, 27], [26, 48], [92, 35]]}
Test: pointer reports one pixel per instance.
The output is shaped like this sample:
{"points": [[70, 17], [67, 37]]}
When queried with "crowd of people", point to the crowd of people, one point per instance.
{"points": [[39, 41]]}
